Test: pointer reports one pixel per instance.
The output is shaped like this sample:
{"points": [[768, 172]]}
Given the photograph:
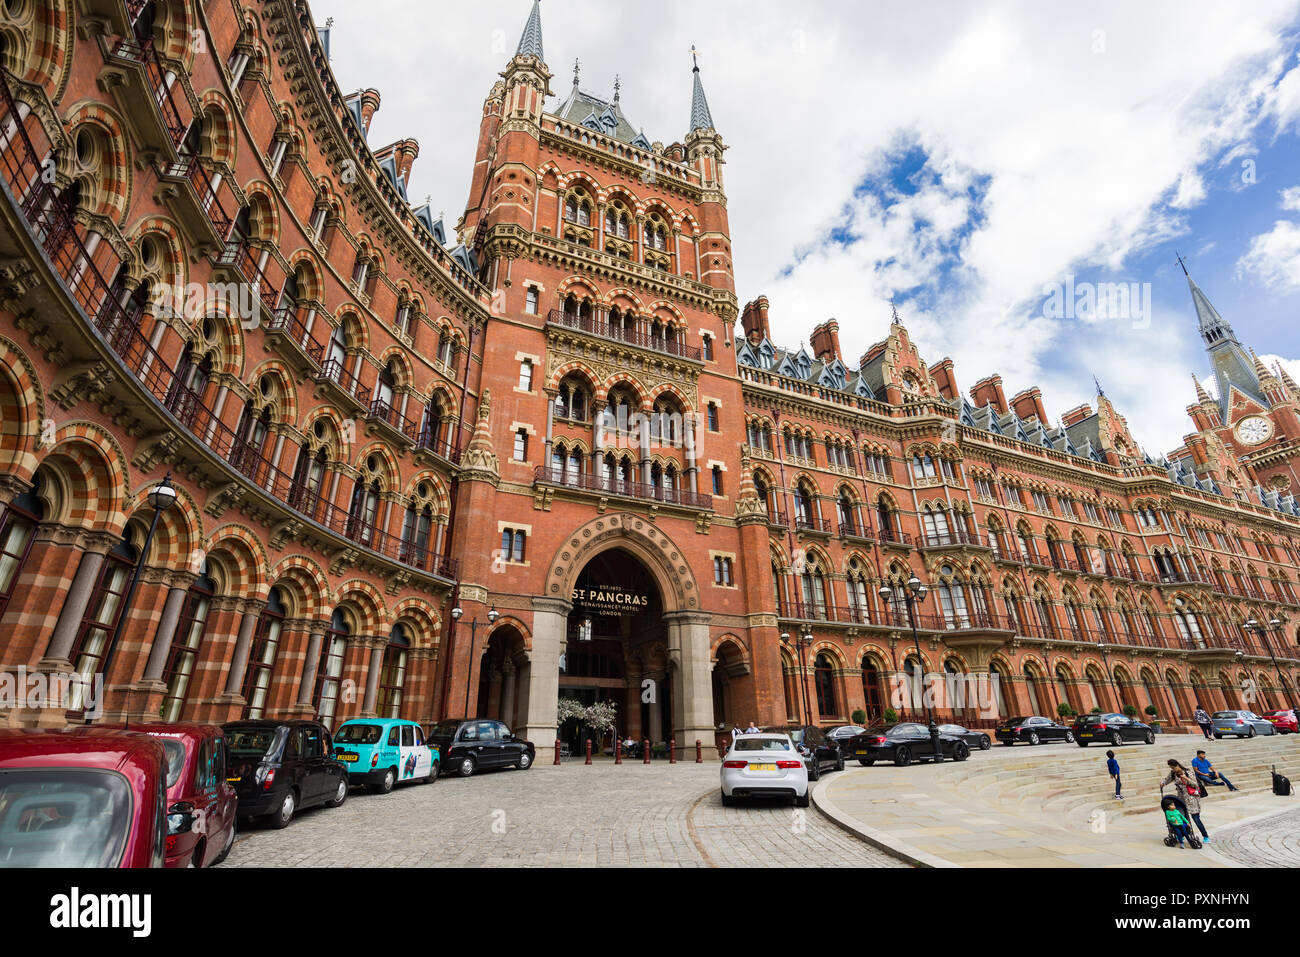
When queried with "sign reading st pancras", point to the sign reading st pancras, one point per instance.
{"points": [[609, 600]]}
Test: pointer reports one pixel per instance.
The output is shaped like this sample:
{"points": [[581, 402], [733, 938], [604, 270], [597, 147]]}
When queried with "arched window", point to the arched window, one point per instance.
{"points": [[392, 674], [363, 512], [859, 600], [416, 530], [1062, 686], [105, 606], [996, 680], [17, 530], [824, 671], [262, 654], [185, 646], [803, 504], [813, 584], [1189, 627], [329, 669], [872, 693], [952, 599]]}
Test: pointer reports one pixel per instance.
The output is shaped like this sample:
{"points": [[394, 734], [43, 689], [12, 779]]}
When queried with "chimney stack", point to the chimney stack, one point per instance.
{"points": [[826, 342], [1029, 405], [945, 376], [754, 320], [988, 391]]}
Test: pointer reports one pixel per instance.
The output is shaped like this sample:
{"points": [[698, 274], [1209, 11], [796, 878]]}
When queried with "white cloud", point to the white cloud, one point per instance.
{"points": [[1083, 131], [1274, 257], [1291, 198]]}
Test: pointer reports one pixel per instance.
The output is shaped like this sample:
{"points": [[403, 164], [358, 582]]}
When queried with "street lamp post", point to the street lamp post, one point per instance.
{"points": [[915, 592], [802, 696], [161, 498], [805, 642], [1110, 672], [492, 615]]}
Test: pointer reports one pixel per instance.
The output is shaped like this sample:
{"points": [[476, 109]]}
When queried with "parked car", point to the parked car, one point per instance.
{"points": [[281, 767], [1240, 723], [903, 744], [466, 745], [843, 733], [1034, 729], [1112, 728], [973, 739], [380, 752], [196, 782], [1284, 721], [768, 764], [84, 798], [822, 753]]}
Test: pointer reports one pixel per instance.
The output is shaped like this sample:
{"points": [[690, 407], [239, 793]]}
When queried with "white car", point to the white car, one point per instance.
{"points": [[764, 765]]}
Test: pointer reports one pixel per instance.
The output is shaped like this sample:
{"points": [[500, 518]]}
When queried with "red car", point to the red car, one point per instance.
{"points": [[196, 784], [1284, 721], [84, 798]]}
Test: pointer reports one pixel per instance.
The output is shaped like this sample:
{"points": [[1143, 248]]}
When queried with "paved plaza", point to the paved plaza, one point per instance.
{"points": [[658, 815]]}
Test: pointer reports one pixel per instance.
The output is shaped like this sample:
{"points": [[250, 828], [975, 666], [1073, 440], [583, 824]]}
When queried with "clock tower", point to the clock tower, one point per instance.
{"points": [[1249, 436]]}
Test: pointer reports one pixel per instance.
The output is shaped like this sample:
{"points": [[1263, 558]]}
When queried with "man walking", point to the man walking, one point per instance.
{"points": [[1202, 717], [1205, 773], [1112, 768]]}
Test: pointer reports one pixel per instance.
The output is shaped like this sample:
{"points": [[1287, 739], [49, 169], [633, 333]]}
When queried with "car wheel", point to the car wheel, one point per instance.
{"points": [[1115, 739], [225, 851], [386, 782], [802, 800], [813, 773], [282, 817], [466, 767], [839, 762], [1082, 744], [902, 758], [728, 801], [1069, 737], [1218, 737], [1251, 732], [340, 793], [1033, 737], [961, 752], [1150, 737], [866, 762], [525, 761], [985, 743], [432, 775]]}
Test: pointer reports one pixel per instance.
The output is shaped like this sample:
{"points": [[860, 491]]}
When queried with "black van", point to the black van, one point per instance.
{"points": [[467, 745]]}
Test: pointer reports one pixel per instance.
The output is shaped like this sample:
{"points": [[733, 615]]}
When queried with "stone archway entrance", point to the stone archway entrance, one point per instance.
{"points": [[646, 647]]}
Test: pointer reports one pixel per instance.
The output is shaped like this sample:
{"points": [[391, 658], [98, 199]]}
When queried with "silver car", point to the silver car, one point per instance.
{"points": [[764, 765], [1242, 724]]}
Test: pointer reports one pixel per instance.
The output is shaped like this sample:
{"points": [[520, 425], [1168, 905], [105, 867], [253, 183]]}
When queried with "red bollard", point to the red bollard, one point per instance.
{"points": [[557, 751], [672, 750], [588, 751], [618, 751], [645, 751], [699, 752]]}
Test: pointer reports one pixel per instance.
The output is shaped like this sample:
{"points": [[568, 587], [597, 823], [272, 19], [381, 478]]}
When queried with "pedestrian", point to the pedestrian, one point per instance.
{"points": [[1177, 823], [1188, 791], [753, 728], [736, 732], [1205, 773], [1202, 717], [1112, 768]]}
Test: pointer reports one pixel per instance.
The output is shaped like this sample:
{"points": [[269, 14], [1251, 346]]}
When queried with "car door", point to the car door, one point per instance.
{"points": [[315, 776], [406, 756], [471, 744], [820, 748], [227, 801], [423, 756], [508, 747]]}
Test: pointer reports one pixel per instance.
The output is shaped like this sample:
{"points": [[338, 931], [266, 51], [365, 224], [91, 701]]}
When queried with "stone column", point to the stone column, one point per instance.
{"points": [[166, 633], [308, 685], [74, 605], [239, 661], [550, 623], [376, 664], [508, 671], [688, 650]]}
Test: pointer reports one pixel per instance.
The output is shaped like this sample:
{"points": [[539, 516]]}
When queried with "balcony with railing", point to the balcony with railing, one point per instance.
{"points": [[445, 441], [287, 332], [777, 518], [812, 524], [952, 538], [396, 425], [856, 531], [598, 325], [144, 93], [893, 538], [602, 485], [195, 198], [239, 258], [343, 385]]}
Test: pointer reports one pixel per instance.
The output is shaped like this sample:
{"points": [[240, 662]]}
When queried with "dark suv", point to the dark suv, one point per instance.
{"points": [[820, 751], [278, 767], [1114, 729], [467, 745]]}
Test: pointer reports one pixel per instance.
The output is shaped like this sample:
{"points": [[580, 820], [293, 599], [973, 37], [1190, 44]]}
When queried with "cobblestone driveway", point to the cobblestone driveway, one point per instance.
{"points": [[1271, 842], [633, 815]]}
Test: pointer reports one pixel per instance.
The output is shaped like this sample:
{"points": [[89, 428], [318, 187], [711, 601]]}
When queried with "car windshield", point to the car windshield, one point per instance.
{"points": [[1095, 718], [763, 744], [359, 734], [175, 760], [63, 817], [1226, 714], [952, 729], [1020, 720], [796, 734], [444, 729], [254, 741]]}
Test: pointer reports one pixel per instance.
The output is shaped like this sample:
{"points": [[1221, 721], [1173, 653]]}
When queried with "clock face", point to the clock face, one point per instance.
{"points": [[1254, 430]]}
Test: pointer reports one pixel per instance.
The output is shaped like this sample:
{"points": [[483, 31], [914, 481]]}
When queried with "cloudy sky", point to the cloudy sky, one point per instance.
{"points": [[965, 160]]}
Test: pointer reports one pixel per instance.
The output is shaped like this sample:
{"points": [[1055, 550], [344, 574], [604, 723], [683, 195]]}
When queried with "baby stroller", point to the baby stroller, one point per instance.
{"points": [[1171, 837]]}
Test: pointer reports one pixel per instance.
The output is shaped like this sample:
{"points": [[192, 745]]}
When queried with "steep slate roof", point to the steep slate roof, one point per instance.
{"points": [[530, 44], [701, 117], [603, 116], [1232, 367]]}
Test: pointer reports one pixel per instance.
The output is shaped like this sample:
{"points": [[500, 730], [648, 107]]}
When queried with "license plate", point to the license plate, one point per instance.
{"points": [[762, 767], [234, 780], [1085, 734], [864, 753], [346, 757]]}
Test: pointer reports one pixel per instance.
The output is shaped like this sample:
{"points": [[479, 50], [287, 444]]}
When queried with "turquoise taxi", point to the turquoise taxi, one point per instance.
{"points": [[383, 752]]}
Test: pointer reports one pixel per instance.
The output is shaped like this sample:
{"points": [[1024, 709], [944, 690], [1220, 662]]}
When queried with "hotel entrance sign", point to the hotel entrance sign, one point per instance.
{"points": [[610, 600]]}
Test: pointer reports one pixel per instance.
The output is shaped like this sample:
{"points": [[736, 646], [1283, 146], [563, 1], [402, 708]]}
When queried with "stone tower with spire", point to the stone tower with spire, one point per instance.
{"points": [[1247, 437]]}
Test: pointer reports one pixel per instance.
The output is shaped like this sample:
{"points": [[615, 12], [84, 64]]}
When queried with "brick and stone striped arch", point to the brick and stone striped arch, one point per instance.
{"points": [[573, 444], [665, 562], [667, 311], [631, 299], [630, 382], [439, 497], [338, 439], [957, 660], [580, 287], [405, 374], [39, 41], [305, 266], [218, 142], [22, 411], [227, 345], [174, 31], [579, 368], [263, 212], [367, 605], [512, 625], [88, 484], [723, 644], [283, 399], [388, 471], [422, 621], [173, 266], [874, 656], [238, 555], [579, 179], [668, 388], [829, 648], [304, 581], [177, 542], [106, 178], [356, 331]]}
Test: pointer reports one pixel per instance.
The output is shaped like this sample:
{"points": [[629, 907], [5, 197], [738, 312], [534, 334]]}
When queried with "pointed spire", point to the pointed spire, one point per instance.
{"points": [[1095, 381], [701, 118], [530, 44], [577, 72], [618, 85], [1212, 326], [1202, 396]]}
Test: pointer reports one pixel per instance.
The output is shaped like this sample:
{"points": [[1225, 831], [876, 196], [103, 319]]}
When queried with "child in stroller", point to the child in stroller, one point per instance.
{"points": [[1178, 823]]}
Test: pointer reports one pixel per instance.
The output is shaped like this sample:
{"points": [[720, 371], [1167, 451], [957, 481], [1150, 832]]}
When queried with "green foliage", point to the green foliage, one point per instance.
{"points": [[891, 716], [858, 716]]}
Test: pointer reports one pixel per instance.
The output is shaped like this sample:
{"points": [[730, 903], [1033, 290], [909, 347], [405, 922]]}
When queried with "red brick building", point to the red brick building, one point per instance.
{"points": [[548, 456]]}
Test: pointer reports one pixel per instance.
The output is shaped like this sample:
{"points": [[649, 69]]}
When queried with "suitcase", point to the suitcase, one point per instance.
{"points": [[1281, 785]]}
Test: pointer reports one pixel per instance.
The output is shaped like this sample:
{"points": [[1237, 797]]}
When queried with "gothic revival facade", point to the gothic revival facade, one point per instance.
{"points": [[543, 453]]}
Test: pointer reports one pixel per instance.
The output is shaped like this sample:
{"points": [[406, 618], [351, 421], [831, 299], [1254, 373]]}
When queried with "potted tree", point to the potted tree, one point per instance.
{"points": [[1152, 711], [891, 716], [858, 717], [1130, 711], [1065, 712]]}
